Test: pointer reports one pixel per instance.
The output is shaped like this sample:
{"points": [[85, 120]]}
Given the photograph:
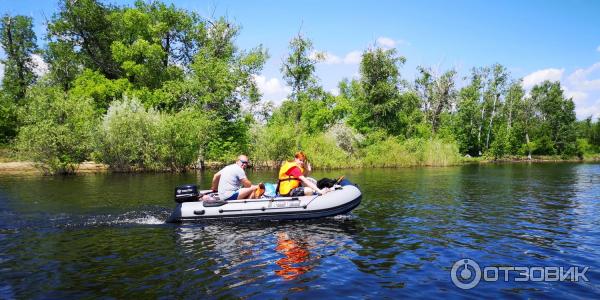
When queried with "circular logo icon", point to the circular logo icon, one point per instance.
{"points": [[465, 274]]}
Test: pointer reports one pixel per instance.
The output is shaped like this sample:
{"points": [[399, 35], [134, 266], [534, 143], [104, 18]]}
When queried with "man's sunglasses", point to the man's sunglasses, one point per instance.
{"points": [[244, 162]]}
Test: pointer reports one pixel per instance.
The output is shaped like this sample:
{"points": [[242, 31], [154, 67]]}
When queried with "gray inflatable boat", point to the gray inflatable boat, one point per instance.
{"points": [[343, 199]]}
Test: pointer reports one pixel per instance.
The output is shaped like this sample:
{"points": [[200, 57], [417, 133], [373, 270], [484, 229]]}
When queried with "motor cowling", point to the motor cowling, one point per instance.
{"points": [[186, 193]]}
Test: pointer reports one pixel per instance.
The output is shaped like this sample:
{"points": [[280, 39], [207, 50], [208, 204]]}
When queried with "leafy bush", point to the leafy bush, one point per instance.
{"points": [[183, 138], [128, 138], [271, 145], [345, 137], [103, 91], [583, 148], [8, 119], [57, 131], [323, 152]]}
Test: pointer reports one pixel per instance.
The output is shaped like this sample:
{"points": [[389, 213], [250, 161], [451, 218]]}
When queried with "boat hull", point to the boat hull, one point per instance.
{"points": [[340, 201]]}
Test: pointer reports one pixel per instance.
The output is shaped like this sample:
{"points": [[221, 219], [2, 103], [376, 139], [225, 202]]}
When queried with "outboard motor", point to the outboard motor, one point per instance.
{"points": [[186, 193]]}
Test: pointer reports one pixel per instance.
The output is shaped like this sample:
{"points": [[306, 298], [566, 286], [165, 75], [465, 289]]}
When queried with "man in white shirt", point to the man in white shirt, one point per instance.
{"points": [[231, 182]]}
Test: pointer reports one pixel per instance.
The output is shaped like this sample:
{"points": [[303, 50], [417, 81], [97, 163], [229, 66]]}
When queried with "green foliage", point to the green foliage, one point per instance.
{"points": [[183, 138], [411, 152], [379, 95], [230, 139], [129, 137], [176, 91], [323, 152], [19, 43], [142, 63], [583, 147], [103, 91], [82, 31], [8, 119], [437, 93], [57, 130], [64, 63], [271, 145], [468, 121], [346, 138], [556, 132], [133, 138], [299, 67]]}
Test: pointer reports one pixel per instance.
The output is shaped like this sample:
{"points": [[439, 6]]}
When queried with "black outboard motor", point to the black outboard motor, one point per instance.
{"points": [[186, 193]]}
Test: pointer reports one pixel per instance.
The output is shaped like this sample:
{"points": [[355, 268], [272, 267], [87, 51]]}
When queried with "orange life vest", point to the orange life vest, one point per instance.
{"points": [[288, 182]]}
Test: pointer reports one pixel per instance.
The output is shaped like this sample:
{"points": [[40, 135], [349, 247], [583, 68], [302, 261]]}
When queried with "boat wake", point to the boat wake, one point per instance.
{"points": [[144, 217]]}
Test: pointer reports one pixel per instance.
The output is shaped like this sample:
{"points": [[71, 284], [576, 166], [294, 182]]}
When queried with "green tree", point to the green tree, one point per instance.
{"points": [[496, 89], [299, 67], [83, 32], [557, 118], [438, 94], [8, 119], [468, 122], [19, 43], [57, 130], [379, 95], [92, 84], [128, 137], [183, 138]]}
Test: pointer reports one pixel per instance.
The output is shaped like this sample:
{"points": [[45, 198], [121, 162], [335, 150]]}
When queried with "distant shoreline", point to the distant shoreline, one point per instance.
{"points": [[16, 167]]}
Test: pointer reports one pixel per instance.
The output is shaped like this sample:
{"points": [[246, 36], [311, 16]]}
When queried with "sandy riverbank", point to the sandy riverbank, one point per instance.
{"points": [[29, 167]]}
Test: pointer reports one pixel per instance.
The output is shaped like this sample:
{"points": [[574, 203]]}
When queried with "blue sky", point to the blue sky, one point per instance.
{"points": [[535, 40]]}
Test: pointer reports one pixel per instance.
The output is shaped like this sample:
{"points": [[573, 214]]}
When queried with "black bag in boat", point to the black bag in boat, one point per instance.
{"points": [[326, 183]]}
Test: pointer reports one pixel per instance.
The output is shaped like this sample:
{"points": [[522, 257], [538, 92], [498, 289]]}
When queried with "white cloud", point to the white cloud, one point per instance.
{"points": [[40, 67], [353, 58], [1, 71], [542, 75], [578, 96], [272, 89], [335, 91], [329, 58], [592, 109], [386, 42], [598, 49], [580, 78], [270, 86]]}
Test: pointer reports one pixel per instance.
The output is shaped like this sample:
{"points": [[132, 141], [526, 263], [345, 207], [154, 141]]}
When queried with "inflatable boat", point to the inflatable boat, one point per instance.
{"points": [[344, 197]]}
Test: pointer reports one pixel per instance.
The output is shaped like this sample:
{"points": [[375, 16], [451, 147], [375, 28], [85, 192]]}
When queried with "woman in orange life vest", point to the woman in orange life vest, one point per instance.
{"points": [[291, 178]]}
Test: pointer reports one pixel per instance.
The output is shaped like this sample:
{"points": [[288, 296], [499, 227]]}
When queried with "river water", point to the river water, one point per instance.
{"points": [[104, 236]]}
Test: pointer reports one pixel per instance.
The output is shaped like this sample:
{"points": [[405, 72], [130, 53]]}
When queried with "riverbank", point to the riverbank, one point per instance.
{"points": [[8, 167], [30, 167], [534, 159]]}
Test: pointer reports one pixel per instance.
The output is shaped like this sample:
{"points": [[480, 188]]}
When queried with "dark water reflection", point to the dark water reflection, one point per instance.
{"points": [[104, 235]]}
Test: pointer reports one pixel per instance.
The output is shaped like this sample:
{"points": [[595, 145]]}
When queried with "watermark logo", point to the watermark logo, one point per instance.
{"points": [[466, 273]]}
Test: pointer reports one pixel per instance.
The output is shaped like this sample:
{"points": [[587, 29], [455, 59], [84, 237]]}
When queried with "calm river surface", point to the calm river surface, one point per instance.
{"points": [[104, 236]]}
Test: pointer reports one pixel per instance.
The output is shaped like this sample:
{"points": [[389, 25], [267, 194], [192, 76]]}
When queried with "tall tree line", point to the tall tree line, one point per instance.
{"points": [[174, 62]]}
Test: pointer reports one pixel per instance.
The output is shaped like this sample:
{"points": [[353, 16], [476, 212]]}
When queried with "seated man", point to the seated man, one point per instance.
{"points": [[291, 176], [231, 181]]}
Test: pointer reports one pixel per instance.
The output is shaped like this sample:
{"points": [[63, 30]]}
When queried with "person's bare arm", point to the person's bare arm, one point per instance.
{"points": [[215, 181], [311, 185], [246, 182]]}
